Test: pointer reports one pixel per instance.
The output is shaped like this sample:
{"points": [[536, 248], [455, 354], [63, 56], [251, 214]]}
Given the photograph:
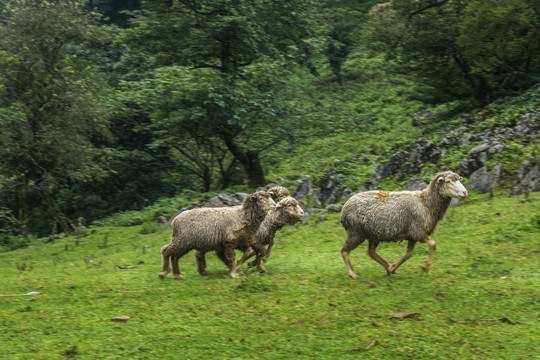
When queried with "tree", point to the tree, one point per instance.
{"points": [[239, 44], [52, 99], [454, 46]]}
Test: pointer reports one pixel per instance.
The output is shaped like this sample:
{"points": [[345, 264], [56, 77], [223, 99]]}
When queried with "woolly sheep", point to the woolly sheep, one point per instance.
{"points": [[215, 229], [381, 216], [288, 211], [276, 193]]}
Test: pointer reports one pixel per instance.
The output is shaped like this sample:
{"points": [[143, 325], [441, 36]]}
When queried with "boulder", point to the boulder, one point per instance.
{"points": [[303, 191], [409, 161], [329, 191], [478, 156], [414, 184], [527, 178], [423, 117], [222, 200], [484, 180]]}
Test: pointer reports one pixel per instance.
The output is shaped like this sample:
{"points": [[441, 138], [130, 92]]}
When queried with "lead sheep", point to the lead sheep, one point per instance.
{"points": [[381, 216], [277, 193], [288, 211], [215, 229]]}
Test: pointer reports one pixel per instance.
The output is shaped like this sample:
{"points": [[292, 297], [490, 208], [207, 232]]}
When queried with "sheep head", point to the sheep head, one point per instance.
{"points": [[450, 185], [262, 199], [290, 207], [278, 193]]}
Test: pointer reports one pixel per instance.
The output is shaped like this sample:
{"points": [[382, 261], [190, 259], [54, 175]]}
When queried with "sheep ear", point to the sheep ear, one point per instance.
{"points": [[440, 179], [252, 197]]}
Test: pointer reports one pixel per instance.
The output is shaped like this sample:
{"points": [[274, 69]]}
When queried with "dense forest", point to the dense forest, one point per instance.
{"points": [[108, 106]]}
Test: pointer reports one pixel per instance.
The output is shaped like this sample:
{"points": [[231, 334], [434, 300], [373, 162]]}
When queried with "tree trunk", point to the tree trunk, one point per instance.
{"points": [[482, 90], [22, 208], [207, 179], [55, 212], [250, 162]]}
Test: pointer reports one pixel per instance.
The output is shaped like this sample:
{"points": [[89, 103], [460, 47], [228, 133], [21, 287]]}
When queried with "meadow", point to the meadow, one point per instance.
{"points": [[480, 300]]}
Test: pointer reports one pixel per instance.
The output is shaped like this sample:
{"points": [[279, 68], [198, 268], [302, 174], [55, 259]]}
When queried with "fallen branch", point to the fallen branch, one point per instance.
{"points": [[373, 343], [33, 293]]}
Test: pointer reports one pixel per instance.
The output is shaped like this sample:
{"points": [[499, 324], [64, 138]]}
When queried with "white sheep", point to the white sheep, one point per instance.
{"points": [[277, 193], [288, 211], [216, 229], [382, 216]]}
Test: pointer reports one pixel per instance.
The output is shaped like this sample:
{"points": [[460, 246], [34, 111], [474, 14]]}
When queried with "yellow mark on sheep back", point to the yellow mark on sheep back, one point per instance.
{"points": [[383, 195]]}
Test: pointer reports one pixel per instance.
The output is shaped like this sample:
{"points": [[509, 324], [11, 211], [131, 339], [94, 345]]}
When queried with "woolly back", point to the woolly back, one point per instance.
{"points": [[391, 216], [206, 228]]}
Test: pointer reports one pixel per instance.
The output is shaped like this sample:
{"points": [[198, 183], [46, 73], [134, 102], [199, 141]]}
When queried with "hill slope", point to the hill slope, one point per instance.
{"points": [[480, 299]]}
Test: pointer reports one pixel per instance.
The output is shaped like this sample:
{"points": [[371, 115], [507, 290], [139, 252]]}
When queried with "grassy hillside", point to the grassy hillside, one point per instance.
{"points": [[479, 300]]}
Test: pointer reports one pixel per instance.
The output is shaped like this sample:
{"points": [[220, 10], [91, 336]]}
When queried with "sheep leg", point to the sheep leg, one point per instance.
{"points": [[260, 251], [378, 258], [410, 248], [221, 255], [268, 251], [201, 262], [165, 263], [229, 257], [432, 247], [240, 262], [251, 254], [175, 268], [351, 243]]}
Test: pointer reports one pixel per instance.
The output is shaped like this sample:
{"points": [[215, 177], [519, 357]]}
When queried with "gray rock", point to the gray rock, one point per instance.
{"points": [[303, 190], [409, 161], [478, 156], [528, 177], [222, 200], [423, 117], [333, 208], [483, 180], [414, 184]]}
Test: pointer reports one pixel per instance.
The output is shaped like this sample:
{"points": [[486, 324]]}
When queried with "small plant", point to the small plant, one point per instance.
{"points": [[149, 227], [70, 351]]}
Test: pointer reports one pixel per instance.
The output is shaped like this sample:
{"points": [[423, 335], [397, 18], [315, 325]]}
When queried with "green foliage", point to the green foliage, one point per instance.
{"points": [[457, 48], [479, 300], [511, 158], [53, 100]]}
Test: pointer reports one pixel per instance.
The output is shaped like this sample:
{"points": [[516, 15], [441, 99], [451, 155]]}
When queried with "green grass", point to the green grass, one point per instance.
{"points": [[486, 268]]}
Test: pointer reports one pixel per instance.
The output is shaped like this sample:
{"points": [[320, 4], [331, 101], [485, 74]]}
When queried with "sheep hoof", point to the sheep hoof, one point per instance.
{"points": [[178, 277], [162, 275], [262, 269], [425, 267], [353, 276], [234, 275]]}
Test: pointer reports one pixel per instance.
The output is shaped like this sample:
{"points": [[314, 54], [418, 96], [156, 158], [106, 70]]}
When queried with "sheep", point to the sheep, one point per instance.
{"points": [[219, 229], [276, 193], [381, 216], [288, 211]]}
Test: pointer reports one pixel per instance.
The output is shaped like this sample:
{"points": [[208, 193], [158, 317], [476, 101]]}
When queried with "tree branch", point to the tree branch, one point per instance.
{"points": [[419, 11]]}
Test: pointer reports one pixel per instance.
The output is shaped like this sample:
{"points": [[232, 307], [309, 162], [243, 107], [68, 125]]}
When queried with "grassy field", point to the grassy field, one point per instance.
{"points": [[480, 299]]}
